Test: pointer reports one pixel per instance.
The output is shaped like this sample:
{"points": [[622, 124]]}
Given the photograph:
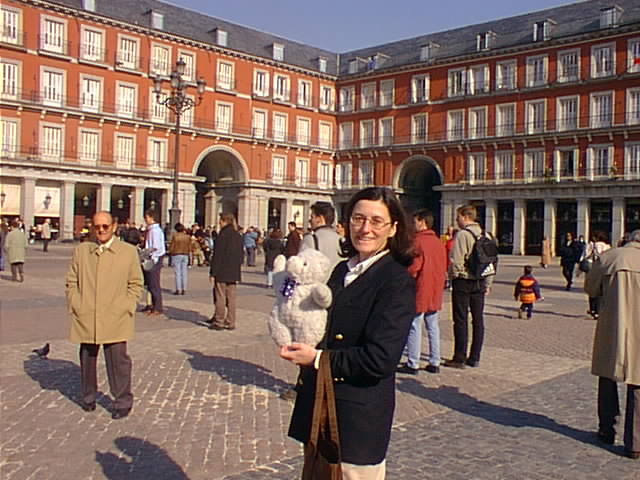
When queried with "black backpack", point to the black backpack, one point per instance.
{"points": [[483, 260]]}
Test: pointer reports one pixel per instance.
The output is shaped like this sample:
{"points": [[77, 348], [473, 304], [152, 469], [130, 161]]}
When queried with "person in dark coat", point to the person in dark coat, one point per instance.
{"points": [[225, 273], [374, 302], [293, 241], [570, 253], [273, 246]]}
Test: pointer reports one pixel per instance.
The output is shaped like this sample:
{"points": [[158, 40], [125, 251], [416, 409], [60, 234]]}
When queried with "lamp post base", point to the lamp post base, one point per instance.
{"points": [[174, 217]]}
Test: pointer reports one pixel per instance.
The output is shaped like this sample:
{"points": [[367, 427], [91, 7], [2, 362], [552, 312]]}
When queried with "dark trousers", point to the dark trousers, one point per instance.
{"points": [[45, 244], [467, 295], [118, 372], [527, 307], [594, 305], [609, 409], [251, 256], [152, 280], [17, 272], [567, 272]]}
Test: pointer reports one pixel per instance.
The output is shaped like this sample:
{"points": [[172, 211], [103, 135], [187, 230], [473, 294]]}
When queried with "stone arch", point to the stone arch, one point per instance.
{"points": [[408, 165], [221, 162]]}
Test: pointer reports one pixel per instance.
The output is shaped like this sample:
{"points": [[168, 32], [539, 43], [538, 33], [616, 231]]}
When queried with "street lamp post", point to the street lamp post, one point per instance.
{"points": [[178, 102]]}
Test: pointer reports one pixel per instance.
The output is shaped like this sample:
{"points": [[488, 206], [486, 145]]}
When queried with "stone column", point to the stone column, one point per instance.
{"points": [[286, 215], [584, 214], [491, 216], [187, 197], [136, 213], [211, 208], [550, 213], [28, 192], [103, 197], [67, 210], [519, 219], [244, 209], [165, 201], [617, 220], [262, 214], [446, 215]]}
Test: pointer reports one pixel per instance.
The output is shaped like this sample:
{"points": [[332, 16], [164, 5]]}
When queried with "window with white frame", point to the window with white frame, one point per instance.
{"points": [[326, 97], [476, 168], [426, 52], [365, 173], [224, 117], [633, 106], [125, 151], [353, 66], [368, 96], [160, 60], [633, 55], [610, 17], [419, 88], [419, 128], [601, 110], [603, 60], [53, 35], [9, 137], [11, 25], [506, 119], [325, 136], [347, 96], [504, 166], [457, 82], [484, 41], [157, 20], [324, 175], [541, 31], [533, 165], [632, 161], [535, 116], [128, 53], [599, 161], [537, 70], [346, 135], [278, 164], [281, 88], [506, 75], [89, 146], [259, 128], [186, 118], [304, 93], [126, 100], [322, 64], [303, 131], [385, 131], [189, 60], [159, 112], [278, 52], [222, 37], [89, 5], [10, 80], [478, 122], [566, 166], [478, 79], [52, 86], [91, 93], [224, 78], [157, 155], [386, 97], [302, 171], [455, 125], [569, 66], [261, 83], [51, 142], [92, 46], [567, 112], [280, 127], [367, 133], [343, 174]]}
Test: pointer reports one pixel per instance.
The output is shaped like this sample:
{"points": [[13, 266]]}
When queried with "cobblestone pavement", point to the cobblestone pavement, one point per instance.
{"points": [[207, 402]]}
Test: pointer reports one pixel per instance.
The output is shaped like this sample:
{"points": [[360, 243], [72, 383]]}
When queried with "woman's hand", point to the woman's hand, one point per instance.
{"points": [[299, 353]]}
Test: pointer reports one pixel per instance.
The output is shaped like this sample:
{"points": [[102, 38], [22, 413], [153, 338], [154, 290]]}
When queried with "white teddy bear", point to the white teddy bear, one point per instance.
{"points": [[302, 298]]}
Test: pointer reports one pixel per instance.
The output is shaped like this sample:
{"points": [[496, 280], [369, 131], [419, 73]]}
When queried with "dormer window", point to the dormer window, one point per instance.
{"points": [[484, 41], [353, 66], [542, 30], [322, 64], [610, 17], [428, 51], [376, 61], [157, 20], [221, 37], [278, 52], [89, 5]]}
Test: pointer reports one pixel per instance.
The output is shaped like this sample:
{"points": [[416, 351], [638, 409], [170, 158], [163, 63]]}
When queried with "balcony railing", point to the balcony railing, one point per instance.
{"points": [[13, 36], [549, 176], [54, 44]]}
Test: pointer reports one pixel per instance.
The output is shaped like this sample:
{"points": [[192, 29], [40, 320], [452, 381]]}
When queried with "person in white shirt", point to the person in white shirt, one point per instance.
{"points": [[154, 239]]}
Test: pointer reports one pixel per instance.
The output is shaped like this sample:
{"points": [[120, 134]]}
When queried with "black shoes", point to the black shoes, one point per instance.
{"points": [[120, 413], [473, 363], [407, 369], [213, 326], [432, 369], [632, 455], [453, 364], [88, 407], [608, 438]]}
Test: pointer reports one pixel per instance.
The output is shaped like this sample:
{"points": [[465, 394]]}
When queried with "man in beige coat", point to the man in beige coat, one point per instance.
{"points": [[616, 348], [104, 282]]}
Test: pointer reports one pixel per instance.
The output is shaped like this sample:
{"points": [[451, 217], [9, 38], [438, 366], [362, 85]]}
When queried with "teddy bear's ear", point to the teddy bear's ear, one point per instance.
{"points": [[279, 263]]}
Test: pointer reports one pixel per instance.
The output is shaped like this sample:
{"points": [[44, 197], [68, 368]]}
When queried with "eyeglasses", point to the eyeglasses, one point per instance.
{"points": [[102, 227], [377, 223]]}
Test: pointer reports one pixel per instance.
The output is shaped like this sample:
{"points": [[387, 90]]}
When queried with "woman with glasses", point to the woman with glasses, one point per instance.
{"points": [[368, 323]]}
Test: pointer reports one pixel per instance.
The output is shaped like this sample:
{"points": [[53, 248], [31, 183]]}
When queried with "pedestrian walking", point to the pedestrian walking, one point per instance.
{"points": [[322, 236], [545, 256], [527, 291], [154, 240], [369, 319], [292, 245], [597, 246], [4, 231], [616, 346], [103, 284], [45, 234], [570, 254], [273, 246], [249, 239], [179, 249], [15, 246]]}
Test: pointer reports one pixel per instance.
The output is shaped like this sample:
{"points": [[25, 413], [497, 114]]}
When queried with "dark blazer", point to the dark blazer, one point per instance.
{"points": [[227, 256], [570, 253], [272, 248], [367, 329], [293, 244]]}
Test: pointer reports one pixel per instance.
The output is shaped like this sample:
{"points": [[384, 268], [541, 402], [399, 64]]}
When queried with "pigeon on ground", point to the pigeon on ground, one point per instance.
{"points": [[42, 352]]}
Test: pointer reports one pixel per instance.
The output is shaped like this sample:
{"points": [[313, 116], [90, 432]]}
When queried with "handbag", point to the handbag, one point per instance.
{"points": [[322, 452]]}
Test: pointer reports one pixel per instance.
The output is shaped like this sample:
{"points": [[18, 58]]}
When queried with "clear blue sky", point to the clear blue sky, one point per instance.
{"points": [[343, 25]]}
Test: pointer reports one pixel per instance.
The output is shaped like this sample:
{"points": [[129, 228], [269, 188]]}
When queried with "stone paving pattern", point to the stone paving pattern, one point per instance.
{"points": [[207, 402]]}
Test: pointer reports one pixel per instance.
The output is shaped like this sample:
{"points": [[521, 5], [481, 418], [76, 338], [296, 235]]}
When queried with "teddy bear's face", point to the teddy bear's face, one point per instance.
{"points": [[309, 266]]}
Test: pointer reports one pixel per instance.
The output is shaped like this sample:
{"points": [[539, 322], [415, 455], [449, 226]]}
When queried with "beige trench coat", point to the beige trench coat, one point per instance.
{"points": [[15, 246], [616, 347], [102, 292]]}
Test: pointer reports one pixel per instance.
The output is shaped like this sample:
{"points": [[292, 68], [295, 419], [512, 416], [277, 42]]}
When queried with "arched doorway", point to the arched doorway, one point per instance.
{"points": [[414, 180]]}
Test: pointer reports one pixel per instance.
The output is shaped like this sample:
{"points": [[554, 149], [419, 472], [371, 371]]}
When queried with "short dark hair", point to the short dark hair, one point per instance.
{"points": [[293, 224], [151, 213], [325, 210], [600, 236], [425, 215], [528, 269], [179, 227]]}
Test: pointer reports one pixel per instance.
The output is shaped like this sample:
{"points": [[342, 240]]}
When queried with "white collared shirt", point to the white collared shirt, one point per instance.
{"points": [[103, 246], [356, 269], [155, 240]]}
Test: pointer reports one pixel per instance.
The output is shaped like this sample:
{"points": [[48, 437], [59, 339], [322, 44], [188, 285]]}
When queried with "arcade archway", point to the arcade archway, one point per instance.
{"points": [[415, 181]]}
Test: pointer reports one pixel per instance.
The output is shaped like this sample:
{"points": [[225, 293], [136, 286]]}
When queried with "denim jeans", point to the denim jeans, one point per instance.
{"points": [[414, 340], [179, 264]]}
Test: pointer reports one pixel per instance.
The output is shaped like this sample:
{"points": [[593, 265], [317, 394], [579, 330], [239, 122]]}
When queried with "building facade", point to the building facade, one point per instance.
{"points": [[535, 119]]}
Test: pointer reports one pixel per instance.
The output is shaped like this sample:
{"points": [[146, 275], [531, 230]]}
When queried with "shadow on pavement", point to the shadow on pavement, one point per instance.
{"points": [[191, 316], [147, 461], [237, 372], [515, 309]]}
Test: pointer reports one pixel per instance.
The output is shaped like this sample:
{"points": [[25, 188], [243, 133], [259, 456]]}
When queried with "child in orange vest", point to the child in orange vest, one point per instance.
{"points": [[527, 291]]}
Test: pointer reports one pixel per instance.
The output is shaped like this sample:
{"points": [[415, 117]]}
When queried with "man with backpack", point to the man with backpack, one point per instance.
{"points": [[473, 263]]}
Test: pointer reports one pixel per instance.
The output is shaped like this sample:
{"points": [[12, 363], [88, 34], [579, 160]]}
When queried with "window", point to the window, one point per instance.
{"points": [[125, 151], [128, 53], [419, 128], [365, 173], [53, 35], [632, 161], [10, 80], [565, 167], [504, 166], [427, 51], [505, 120], [353, 66], [633, 55], [420, 88], [126, 100], [599, 161], [89, 148], [386, 93], [478, 79], [633, 106], [222, 38], [324, 175], [11, 26], [259, 123], [157, 20], [91, 94], [160, 60], [567, 112], [535, 116], [304, 93], [281, 88], [346, 135], [343, 175], [302, 171], [326, 97], [537, 71], [569, 66], [89, 5], [189, 60], [476, 169], [278, 164], [484, 41], [280, 127], [455, 125], [186, 119], [610, 17], [9, 137], [367, 133], [385, 131], [541, 31], [92, 47], [533, 165], [457, 82], [478, 122], [506, 75], [325, 137], [322, 64], [278, 52], [602, 61], [159, 112], [346, 99], [368, 96], [157, 159], [303, 132], [225, 76], [52, 87], [601, 110], [261, 83], [224, 117], [51, 142]]}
